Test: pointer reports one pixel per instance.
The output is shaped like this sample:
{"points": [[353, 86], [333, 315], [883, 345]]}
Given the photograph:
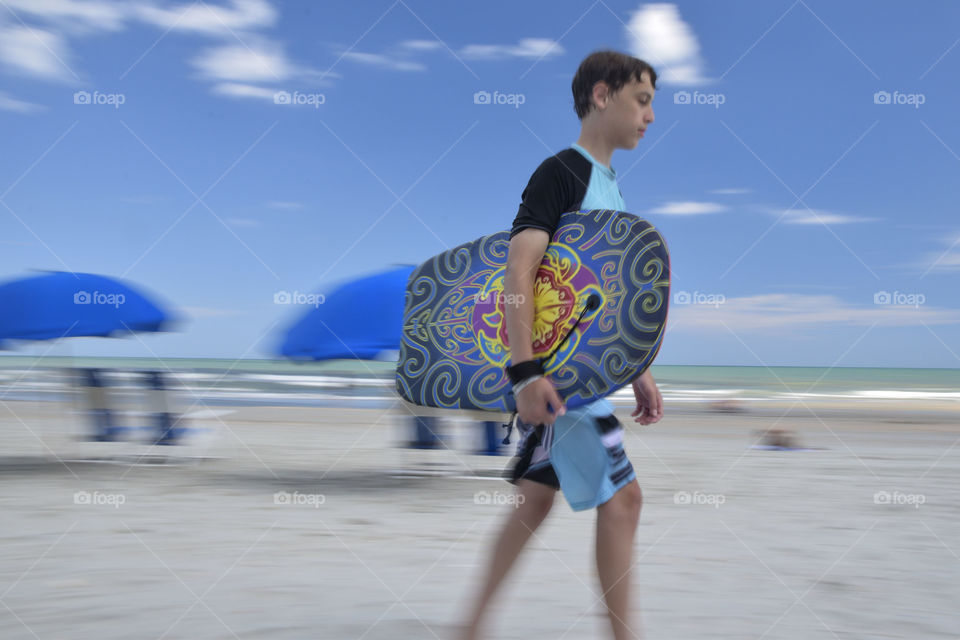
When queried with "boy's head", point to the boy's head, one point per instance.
{"points": [[614, 92]]}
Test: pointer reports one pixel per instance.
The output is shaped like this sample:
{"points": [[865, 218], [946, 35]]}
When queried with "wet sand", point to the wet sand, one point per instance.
{"points": [[313, 523]]}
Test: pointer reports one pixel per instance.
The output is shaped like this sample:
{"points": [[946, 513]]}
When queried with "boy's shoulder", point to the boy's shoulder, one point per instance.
{"points": [[559, 184], [567, 161], [567, 171]]}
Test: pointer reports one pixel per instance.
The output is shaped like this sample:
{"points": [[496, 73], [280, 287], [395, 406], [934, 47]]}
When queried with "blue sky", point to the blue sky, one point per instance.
{"points": [[804, 158]]}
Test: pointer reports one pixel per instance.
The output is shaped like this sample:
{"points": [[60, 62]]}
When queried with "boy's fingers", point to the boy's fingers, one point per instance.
{"points": [[557, 403]]}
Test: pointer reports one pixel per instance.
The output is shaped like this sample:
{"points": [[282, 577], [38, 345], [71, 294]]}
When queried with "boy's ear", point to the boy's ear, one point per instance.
{"points": [[601, 94]]}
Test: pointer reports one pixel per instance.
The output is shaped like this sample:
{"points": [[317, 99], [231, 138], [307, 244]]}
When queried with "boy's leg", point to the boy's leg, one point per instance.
{"points": [[522, 521], [616, 525]]}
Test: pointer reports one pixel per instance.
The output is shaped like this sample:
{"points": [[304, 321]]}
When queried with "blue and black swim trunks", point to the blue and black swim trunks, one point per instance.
{"points": [[581, 454]]}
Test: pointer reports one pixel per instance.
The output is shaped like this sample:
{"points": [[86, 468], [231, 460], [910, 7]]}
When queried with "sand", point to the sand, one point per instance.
{"points": [[855, 539]]}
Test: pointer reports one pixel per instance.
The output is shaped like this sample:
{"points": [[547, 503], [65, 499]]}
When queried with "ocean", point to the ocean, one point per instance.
{"points": [[354, 383]]}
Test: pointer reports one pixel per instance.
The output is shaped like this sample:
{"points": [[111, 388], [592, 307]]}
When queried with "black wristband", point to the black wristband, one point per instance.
{"points": [[523, 370]]}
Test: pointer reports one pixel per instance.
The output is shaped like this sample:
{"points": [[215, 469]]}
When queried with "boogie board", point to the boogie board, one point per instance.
{"points": [[600, 298]]}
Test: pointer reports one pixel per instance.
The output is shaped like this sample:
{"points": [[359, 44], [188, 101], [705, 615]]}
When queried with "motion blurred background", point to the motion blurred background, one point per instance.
{"points": [[223, 469]]}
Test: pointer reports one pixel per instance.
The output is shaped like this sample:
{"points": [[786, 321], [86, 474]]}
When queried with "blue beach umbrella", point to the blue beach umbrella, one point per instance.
{"points": [[359, 320], [62, 304]]}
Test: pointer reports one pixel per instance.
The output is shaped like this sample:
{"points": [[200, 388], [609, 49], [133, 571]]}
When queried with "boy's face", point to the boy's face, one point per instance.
{"points": [[627, 113]]}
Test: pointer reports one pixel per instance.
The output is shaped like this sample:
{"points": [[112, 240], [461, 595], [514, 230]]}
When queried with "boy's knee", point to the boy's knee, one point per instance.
{"points": [[632, 497], [626, 503]]}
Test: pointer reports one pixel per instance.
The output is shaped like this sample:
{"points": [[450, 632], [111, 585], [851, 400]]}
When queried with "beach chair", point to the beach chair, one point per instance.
{"points": [[168, 426], [103, 418], [491, 443], [427, 433]]}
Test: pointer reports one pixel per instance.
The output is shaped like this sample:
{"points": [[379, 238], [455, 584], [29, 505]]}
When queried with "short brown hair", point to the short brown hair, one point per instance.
{"points": [[611, 67]]}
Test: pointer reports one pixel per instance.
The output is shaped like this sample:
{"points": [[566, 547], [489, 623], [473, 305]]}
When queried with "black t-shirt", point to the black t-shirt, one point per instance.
{"points": [[558, 185]]}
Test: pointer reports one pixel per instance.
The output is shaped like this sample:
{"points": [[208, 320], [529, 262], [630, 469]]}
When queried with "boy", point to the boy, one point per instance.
{"points": [[613, 95]]}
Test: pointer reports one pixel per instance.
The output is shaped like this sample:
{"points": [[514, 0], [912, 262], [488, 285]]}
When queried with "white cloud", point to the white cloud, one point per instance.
{"points": [[526, 48], [818, 216], [947, 262], [240, 90], [317, 76], [75, 15], [787, 310], [35, 52], [402, 57], [282, 204], [235, 68], [9, 103], [732, 191], [205, 18], [44, 53], [262, 61], [422, 45], [688, 208], [659, 35], [944, 261], [384, 62]]}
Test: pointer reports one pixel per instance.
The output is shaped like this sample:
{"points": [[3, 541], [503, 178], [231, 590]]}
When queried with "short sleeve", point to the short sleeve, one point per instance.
{"points": [[547, 196]]}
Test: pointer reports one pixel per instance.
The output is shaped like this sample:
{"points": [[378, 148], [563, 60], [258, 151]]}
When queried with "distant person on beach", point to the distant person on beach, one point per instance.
{"points": [[613, 95]]}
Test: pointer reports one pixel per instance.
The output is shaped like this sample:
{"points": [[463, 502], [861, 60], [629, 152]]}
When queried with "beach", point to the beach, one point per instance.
{"points": [[312, 522]]}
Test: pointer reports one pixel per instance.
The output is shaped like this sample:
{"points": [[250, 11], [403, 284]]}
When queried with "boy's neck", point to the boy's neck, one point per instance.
{"points": [[596, 146]]}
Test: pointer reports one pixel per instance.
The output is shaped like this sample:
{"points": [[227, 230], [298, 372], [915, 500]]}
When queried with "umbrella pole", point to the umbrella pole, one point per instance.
{"points": [[70, 408]]}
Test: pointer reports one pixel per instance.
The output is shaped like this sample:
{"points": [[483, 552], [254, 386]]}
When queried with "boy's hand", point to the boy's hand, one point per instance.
{"points": [[533, 401], [649, 401]]}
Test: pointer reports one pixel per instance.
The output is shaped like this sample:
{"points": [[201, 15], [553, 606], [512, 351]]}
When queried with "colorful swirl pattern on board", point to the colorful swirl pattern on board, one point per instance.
{"points": [[454, 345]]}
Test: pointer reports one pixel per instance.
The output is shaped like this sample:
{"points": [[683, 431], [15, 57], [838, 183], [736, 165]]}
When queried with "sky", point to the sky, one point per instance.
{"points": [[803, 164]]}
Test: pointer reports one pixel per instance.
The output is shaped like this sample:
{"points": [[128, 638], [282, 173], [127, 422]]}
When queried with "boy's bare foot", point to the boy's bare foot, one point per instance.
{"points": [[467, 632]]}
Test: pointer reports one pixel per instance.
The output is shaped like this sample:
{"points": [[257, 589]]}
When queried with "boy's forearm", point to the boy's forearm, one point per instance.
{"points": [[641, 376], [519, 308]]}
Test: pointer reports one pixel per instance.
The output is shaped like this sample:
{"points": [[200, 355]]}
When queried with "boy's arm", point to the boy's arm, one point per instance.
{"points": [[523, 261], [649, 401]]}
